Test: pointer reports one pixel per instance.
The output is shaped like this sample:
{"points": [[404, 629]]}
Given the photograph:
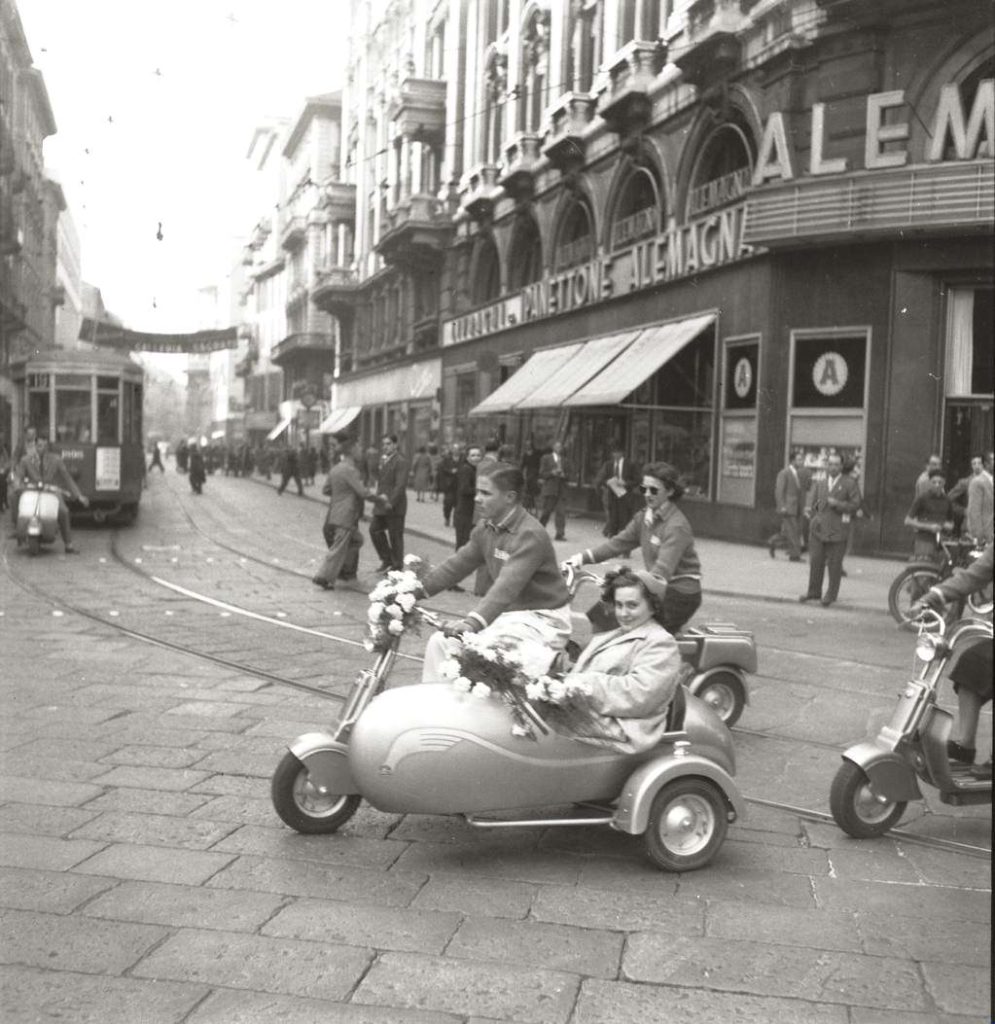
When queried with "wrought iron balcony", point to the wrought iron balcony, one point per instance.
{"points": [[480, 191], [925, 199], [336, 290], [305, 343], [521, 158], [568, 123], [419, 229], [419, 109], [626, 104]]}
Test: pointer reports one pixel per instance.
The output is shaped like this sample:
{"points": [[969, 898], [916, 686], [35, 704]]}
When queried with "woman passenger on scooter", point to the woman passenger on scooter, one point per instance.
{"points": [[629, 675], [664, 534]]}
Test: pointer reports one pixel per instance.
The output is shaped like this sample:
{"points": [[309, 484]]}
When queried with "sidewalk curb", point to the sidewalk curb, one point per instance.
{"points": [[741, 595]]}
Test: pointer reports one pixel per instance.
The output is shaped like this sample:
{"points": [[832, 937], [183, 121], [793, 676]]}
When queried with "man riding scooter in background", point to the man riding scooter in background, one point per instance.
{"points": [[972, 674], [41, 466]]}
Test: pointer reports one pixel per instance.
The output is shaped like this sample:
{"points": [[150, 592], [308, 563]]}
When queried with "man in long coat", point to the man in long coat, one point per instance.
{"points": [[346, 493]]}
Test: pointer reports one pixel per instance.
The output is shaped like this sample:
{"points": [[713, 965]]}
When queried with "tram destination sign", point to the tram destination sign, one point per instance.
{"points": [[110, 335], [680, 251]]}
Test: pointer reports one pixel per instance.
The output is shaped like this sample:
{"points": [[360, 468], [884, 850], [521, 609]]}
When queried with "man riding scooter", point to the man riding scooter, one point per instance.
{"points": [[972, 674], [44, 467]]}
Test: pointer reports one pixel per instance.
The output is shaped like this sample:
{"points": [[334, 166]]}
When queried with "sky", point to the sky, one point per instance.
{"points": [[155, 103]]}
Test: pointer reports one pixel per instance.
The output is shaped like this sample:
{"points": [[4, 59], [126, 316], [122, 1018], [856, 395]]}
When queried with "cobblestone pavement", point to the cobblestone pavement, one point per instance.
{"points": [[146, 877]]}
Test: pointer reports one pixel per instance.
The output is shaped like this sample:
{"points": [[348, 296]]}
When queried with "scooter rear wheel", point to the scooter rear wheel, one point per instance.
{"points": [[725, 694], [687, 824], [302, 805], [857, 809]]}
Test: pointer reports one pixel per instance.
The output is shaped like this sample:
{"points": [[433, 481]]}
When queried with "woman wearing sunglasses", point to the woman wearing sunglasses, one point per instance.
{"points": [[663, 533]]}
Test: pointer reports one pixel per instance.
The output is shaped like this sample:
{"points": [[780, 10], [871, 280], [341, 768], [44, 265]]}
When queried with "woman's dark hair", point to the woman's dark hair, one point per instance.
{"points": [[506, 477], [668, 476], [625, 576]]}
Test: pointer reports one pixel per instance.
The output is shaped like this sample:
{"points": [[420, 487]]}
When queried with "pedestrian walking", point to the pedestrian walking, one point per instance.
{"points": [[553, 475], [290, 469], [618, 481], [445, 480], [390, 506], [435, 458], [198, 472], [421, 473], [978, 518], [156, 458], [790, 489], [831, 503], [531, 457], [931, 513], [182, 456], [346, 494]]}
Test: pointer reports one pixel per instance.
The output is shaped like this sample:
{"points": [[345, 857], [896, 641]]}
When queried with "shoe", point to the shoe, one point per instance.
{"points": [[70, 550], [982, 771], [826, 602], [560, 536], [960, 754], [808, 597], [843, 572], [457, 589], [324, 584], [793, 558], [347, 576]]}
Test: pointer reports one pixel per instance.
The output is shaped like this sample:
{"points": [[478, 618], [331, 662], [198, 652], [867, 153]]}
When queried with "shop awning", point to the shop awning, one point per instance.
{"points": [[536, 371], [339, 419], [278, 430], [593, 357], [651, 349]]}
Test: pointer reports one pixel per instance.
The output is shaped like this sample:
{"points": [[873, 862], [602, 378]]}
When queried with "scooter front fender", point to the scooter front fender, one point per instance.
{"points": [[327, 761], [633, 811], [889, 773]]}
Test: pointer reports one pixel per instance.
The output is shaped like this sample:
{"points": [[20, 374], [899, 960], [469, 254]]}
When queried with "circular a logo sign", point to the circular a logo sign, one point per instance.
{"points": [[742, 377], [829, 374]]}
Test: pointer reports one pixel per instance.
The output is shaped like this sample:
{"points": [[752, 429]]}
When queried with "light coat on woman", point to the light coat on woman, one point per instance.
{"points": [[629, 678]]}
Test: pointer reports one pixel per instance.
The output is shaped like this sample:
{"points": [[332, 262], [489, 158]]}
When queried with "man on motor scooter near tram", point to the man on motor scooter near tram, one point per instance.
{"points": [[972, 673], [663, 533], [527, 602], [44, 467]]}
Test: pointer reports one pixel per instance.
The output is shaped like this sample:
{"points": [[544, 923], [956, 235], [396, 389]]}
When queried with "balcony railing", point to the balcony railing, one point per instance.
{"points": [[709, 44], [419, 228], [480, 191], [925, 199], [419, 109], [521, 159], [301, 344], [626, 104], [568, 123], [336, 290]]}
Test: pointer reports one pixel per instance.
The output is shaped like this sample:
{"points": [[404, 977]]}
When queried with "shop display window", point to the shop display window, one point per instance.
{"points": [[684, 439], [738, 448]]}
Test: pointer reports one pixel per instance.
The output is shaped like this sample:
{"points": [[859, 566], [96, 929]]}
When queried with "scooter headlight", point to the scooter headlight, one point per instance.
{"points": [[926, 648]]}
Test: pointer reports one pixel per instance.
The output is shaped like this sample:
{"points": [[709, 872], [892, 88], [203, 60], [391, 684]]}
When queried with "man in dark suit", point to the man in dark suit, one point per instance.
{"points": [[553, 476], [830, 504], [618, 480], [390, 506], [790, 489]]}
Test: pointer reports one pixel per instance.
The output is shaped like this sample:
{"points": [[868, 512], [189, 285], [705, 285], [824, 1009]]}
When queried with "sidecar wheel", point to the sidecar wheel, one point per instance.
{"points": [[858, 810], [687, 825], [302, 806], [725, 694]]}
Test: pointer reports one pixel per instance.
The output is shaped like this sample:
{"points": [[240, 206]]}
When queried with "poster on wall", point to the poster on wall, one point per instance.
{"points": [[830, 372], [740, 390], [107, 469]]}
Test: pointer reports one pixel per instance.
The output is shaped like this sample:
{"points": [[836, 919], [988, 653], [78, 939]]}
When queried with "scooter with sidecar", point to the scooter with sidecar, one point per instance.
{"points": [[719, 655], [427, 749], [37, 516], [879, 776]]}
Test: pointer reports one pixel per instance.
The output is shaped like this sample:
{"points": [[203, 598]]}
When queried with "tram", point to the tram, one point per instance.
{"points": [[89, 404]]}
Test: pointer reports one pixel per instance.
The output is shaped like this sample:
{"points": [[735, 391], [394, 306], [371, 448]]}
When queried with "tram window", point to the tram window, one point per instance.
{"points": [[38, 406], [107, 383], [107, 425], [78, 381], [72, 416], [136, 421]]}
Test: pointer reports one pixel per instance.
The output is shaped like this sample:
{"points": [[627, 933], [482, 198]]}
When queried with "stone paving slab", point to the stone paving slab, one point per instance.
{"points": [[155, 864], [334, 849], [55, 854], [154, 830], [523, 996], [46, 997], [232, 960], [958, 989], [925, 902], [789, 926], [621, 910], [486, 897], [356, 924], [42, 821], [51, 892], [941, 940]]}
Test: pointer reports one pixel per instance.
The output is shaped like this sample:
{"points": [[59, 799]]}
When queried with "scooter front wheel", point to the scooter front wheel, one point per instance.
{"points": [[857, 808], [687, 824], [304, 806]]}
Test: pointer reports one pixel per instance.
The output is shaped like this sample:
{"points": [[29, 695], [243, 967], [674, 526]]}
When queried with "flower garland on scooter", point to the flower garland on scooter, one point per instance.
{"points": [[392, 605]]}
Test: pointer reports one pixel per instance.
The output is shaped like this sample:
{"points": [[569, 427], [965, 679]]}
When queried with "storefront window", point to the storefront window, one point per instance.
{"points": [[723, 170], [598, 434], [738, 450], [684, 439], [967, 420]]}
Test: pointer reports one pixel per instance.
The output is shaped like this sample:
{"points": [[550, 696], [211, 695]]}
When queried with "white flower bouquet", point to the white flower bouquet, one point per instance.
{"points": [[392, 605]]}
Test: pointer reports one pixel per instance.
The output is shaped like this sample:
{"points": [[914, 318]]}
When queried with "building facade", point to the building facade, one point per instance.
{"points": [[715, 231]]}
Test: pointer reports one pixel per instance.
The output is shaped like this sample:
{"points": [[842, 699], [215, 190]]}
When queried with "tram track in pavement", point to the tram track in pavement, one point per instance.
{"points": [[140, 636]]}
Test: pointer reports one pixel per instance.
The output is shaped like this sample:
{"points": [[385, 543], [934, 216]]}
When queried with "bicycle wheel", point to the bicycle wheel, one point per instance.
{"points": [[908, 588]]}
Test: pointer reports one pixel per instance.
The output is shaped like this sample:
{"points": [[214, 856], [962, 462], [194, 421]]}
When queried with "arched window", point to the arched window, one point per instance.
{"points": [[495, 94], [525, 264], [485, 272], [535, 72], [638, 19], [639, 211], [575, 241], [584, 34], [723, 169]]}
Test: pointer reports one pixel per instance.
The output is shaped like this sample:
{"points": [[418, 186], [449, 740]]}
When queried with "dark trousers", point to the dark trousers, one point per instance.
{"points": [[448, 504], [825, 554], [554, 505], [463, 521], [286, 478], [387, 535], [789, 536], [342, 560]]}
